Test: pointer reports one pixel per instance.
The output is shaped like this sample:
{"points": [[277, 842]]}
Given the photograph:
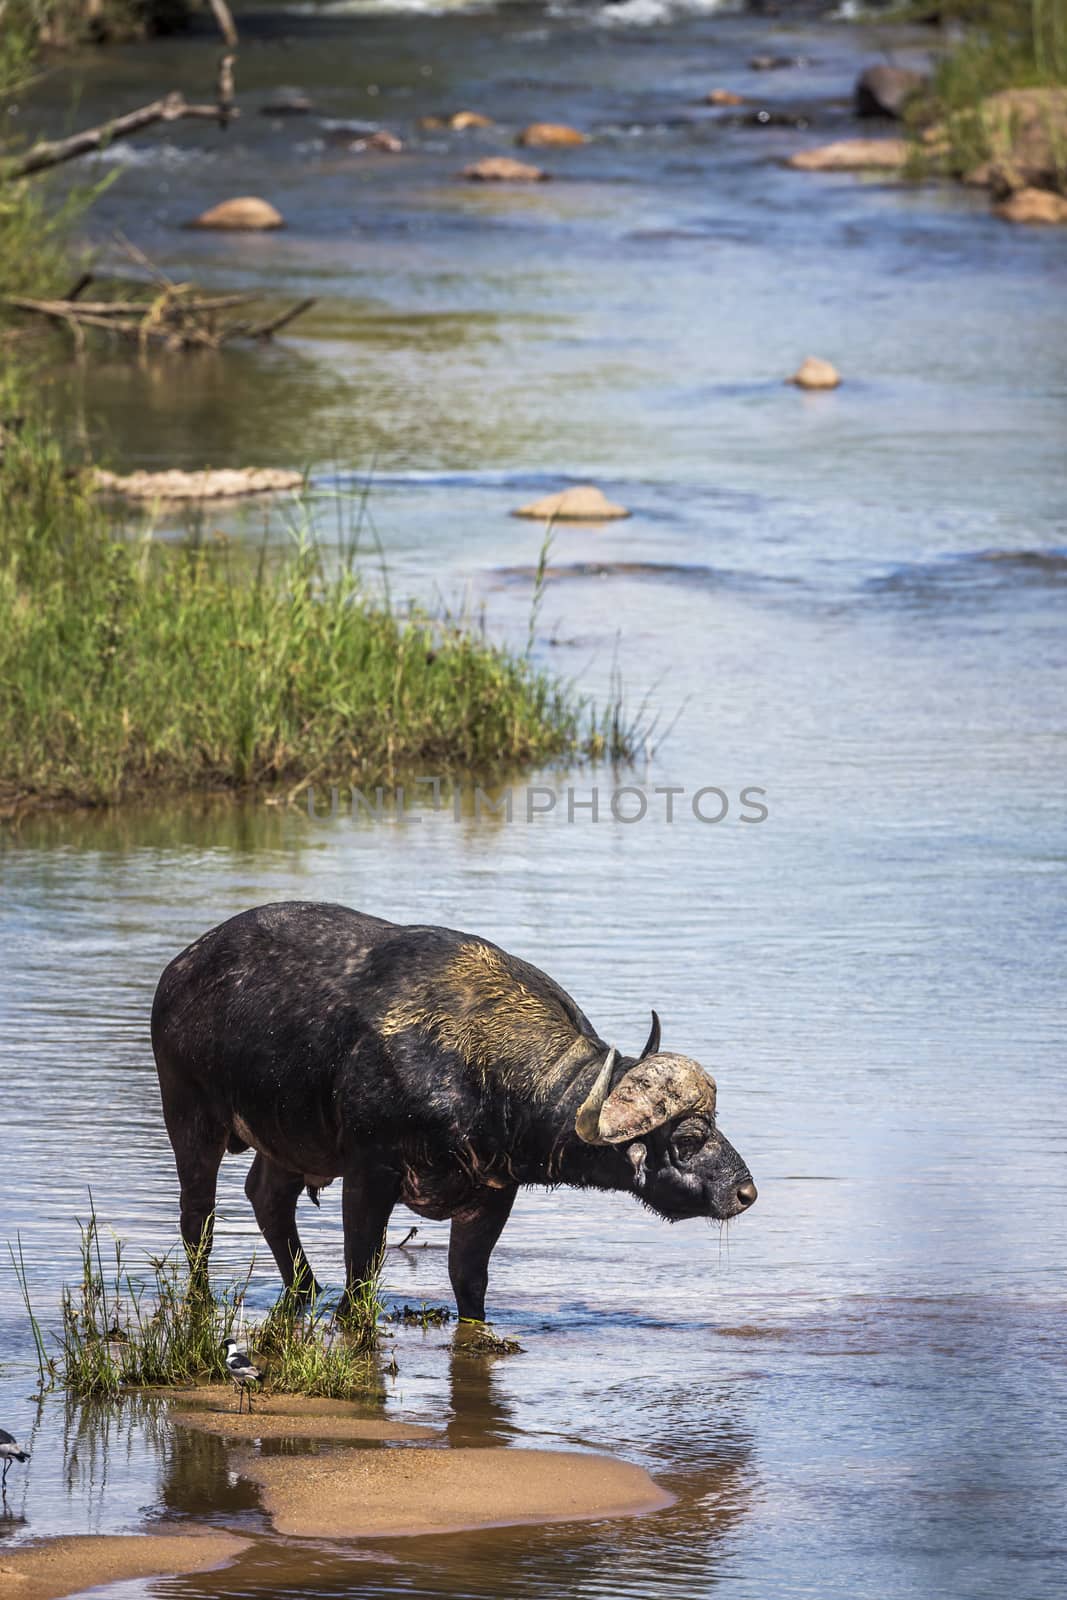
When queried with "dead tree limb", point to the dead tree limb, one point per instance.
{"points": [[224, 18], [171, 107], [267, 329]]}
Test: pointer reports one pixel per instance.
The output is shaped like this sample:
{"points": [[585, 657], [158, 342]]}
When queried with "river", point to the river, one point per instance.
{"points": [[850, 601]]}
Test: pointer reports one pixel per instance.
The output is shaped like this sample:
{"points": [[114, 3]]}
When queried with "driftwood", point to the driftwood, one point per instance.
{"points": [[171, 314], [171, 107]]}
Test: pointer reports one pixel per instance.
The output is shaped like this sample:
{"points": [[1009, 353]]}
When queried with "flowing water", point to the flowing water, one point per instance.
{"points": [[851, 601]]}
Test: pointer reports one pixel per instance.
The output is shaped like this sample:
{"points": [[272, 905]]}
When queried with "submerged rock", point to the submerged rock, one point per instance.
{"points": [[550, 134], [245, 213], [777, 63], [1034, 205], [502, 169], [853, 155], [384, 141], [723, 97], [773, 119], [224, 483], [815, 373], [883, 91], [584, 503], [288, 105]]}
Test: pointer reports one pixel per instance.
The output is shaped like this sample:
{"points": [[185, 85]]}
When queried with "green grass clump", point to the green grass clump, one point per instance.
{"points": [[123, 1330], [131, 666], [314, 1348]]}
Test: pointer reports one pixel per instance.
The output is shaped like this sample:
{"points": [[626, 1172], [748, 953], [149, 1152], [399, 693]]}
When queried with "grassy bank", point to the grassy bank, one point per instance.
{"points": [[1017, 45], [63, 23], [1007, 44], [129, 666]]}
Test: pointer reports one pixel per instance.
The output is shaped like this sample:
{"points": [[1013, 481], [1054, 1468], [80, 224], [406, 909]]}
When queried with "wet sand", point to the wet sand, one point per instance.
{"points": [[69, 1565], [290, 1416], [390, 1492]]}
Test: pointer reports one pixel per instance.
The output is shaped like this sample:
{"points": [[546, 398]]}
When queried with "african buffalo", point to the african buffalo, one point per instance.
{"points": [[420, 1065]]}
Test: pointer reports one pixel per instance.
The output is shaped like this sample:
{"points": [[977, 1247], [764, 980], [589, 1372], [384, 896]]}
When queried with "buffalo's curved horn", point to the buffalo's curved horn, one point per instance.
{"points": [[653, 1092], [587, 1122], [652, 1042]]}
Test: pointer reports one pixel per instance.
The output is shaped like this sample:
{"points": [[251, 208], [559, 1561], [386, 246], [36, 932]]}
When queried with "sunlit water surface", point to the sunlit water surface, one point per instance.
{"points": [[851, 601]]}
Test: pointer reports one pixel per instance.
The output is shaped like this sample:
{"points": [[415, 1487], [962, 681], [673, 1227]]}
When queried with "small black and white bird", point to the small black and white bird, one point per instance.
{"points": [[241, 1370], [10, 1450]]}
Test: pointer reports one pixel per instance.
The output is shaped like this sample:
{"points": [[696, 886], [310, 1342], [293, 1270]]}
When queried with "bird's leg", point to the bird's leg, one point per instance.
{"points": [[249, 1402]]}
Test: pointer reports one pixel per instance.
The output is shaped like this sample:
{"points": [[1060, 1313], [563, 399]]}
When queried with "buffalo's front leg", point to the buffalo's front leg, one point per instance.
{"points": [[368, 1196], [274, 1192], [475, 1230]]}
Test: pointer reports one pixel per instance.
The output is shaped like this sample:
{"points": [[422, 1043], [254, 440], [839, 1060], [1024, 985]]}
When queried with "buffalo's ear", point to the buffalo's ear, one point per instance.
{"points": [[652, 1042], [653, 1092]]}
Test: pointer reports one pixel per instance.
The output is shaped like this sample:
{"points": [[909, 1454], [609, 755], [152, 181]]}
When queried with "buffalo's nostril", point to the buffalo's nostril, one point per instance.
{"points": [[746, 1193]]}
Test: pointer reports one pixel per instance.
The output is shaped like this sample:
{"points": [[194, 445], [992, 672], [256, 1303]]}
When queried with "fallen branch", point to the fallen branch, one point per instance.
{"points": [[172, 107], [176, 317]]}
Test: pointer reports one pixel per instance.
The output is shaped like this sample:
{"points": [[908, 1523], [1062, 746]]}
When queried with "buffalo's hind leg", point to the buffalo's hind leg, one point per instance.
{"points": [[370, 1192], [199, 1144], [475, 1230], [274, 1192]]}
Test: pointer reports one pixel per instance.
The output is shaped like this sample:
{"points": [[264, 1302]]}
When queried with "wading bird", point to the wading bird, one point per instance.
{"points": [[241, 1370], [10, 1450]]}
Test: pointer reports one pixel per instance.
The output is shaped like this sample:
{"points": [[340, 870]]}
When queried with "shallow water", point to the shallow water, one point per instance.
{"points": [[851, 601]]}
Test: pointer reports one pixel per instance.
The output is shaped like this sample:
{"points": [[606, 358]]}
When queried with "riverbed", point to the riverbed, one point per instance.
{"points": [[851, 602]]}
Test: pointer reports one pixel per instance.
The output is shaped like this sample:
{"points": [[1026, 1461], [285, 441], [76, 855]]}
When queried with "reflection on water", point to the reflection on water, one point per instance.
{"points": [[854, 602]]}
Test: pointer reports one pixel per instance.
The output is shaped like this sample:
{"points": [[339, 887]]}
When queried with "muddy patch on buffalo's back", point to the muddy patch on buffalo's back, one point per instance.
{"points": [[70, 1565], [422, 1491]]}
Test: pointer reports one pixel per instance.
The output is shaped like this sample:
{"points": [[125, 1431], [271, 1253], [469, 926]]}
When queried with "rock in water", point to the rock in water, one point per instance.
{"points": [[723, 97], [584, 503], [502, 169], [882, 91], [815, 373], [853, 155], [1034, 205], [458, 121], [247, 213], [550, 133], [285, 104]]}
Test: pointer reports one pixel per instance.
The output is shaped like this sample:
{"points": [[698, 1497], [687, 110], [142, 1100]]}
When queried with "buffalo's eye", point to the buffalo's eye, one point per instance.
{"points": [[690, 1137]]}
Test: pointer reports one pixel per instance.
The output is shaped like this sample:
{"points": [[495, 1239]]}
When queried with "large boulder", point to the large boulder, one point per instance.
{"points": [[853, 155], [550, 134], [583, 503], [883, 91], [246, 213], [502, 169], [1025, 133], [1034, 205]]}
